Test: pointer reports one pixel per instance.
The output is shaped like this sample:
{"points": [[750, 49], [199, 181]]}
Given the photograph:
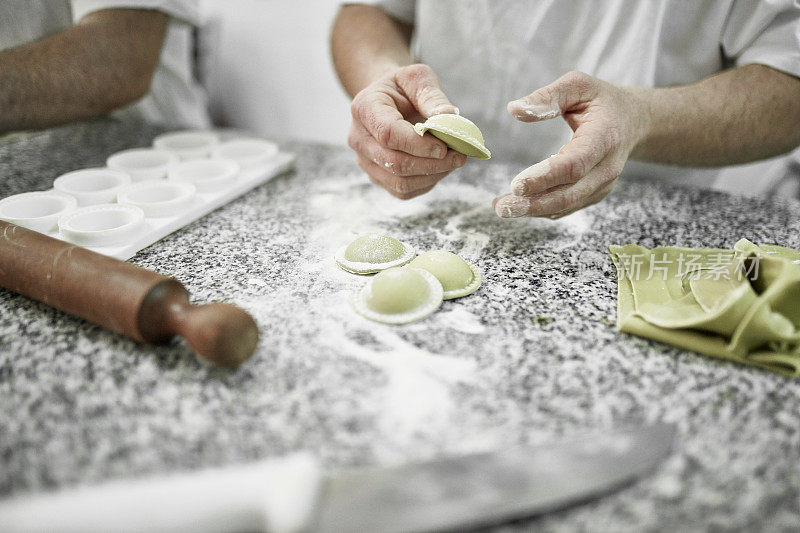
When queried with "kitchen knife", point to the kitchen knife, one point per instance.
{"points": [[291, 494]]}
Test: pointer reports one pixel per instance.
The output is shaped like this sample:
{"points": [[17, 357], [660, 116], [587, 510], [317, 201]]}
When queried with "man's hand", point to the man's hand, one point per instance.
{"points": [[388, 149], [607, 122], [371, 54], [737, 116]]}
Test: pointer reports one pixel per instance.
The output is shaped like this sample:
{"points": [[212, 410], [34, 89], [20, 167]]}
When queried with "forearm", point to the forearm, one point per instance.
{"points": [[365, 44], [737, 116], [100, 64]]}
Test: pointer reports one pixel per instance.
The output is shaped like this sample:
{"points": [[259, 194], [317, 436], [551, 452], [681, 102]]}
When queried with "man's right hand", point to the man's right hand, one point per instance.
{"points": [[388, 149]]}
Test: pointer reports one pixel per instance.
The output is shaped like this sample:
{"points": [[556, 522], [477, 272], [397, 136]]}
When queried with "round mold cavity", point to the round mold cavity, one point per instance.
{"points": [[398, 295], [143, 163], [372, 253], [248, 153], [92, 186], [208, 175], [101, 225], [158, 198], [38, 211], [230, 134], [188, 144]]}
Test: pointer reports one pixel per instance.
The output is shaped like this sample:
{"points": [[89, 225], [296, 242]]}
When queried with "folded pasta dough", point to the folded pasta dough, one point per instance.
{"points": [[741, 304]]}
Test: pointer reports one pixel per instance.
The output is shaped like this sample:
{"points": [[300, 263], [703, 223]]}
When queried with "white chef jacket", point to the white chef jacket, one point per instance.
{"points": [[175, 98], [488, 52]]}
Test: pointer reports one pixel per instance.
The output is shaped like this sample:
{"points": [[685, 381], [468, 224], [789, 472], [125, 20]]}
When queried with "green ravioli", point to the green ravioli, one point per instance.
{"points": [[372, 253], [457, 132], [458, 278], [398, 295]]}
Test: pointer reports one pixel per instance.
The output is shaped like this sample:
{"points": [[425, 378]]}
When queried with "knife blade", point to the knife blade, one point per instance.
{"points": [[489, 488], [292, 494]]}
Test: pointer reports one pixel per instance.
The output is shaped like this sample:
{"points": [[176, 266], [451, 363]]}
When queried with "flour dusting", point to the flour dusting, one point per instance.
{"points": [[577, 224], [417, 396], [461, 320], [417, 399]]}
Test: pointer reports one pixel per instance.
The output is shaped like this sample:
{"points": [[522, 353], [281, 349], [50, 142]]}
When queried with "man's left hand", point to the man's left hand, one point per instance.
{"points": [[608, 121]]}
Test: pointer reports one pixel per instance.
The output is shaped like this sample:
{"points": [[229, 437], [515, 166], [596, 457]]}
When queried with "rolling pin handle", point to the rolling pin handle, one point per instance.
{"points": [[220, 333]]}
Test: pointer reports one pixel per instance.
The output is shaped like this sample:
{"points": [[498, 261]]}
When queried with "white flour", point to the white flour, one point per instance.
{"points": [[578, 223], [459, 319], [417, 398]]}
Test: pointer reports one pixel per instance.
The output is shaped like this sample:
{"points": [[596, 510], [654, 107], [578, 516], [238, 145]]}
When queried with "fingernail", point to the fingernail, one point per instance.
{"points": [[460, 160], [524, 182], [512, 206], [456, 111], [444, 108], [536, 111], [438, 152], [518, 186]]}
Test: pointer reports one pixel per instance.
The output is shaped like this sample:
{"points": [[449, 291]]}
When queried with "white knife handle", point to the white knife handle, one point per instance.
{"points": [[277, 495]]}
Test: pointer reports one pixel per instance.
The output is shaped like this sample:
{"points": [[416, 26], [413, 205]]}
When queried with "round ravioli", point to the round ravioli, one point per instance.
{"points": [[458, 278], [398, 296], [457, 132], [373, 253]]}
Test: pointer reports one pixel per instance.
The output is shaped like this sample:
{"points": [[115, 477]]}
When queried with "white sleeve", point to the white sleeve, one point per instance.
{"points": [[765, 32], [402, 10], [184, 10]]}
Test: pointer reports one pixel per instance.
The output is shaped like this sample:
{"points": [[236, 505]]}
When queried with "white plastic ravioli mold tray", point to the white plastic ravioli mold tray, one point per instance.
{"points": [[144, 194]]}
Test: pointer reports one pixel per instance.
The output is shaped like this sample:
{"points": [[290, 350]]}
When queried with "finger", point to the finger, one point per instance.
{"points": [[562, 198], [576, 159], [403, 196], [408, 196], [378, 114], [403, 187], [555, 203], [593, 199], [421, 85], [569, 90], [397, 162]]}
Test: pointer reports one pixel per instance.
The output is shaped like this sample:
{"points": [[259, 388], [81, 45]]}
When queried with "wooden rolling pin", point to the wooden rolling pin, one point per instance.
{"points": [[128, 299]]}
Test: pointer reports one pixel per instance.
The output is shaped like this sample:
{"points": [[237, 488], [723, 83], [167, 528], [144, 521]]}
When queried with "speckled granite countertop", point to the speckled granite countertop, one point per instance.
{"points": [[532, 356]]}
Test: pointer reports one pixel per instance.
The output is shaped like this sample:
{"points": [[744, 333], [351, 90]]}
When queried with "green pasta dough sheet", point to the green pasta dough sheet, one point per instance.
{"points": [[741, 304]]}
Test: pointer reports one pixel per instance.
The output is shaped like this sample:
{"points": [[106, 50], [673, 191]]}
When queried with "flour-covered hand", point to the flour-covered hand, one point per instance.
{"points": [[387, 148], [607, 122]]}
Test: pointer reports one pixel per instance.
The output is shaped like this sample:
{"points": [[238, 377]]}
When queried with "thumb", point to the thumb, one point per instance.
{"points": [[552, 100], [421, 86]]}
